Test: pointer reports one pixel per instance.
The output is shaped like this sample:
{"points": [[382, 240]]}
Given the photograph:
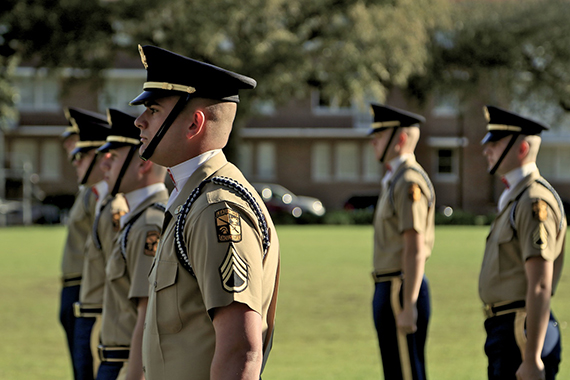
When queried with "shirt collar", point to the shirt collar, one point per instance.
{"points": [[183, 171], [518, 174], [138, 196], [396, 162], [100, 189]]}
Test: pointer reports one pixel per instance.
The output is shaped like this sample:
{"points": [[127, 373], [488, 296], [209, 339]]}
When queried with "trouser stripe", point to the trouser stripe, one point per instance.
{"points": [[402, 338]]}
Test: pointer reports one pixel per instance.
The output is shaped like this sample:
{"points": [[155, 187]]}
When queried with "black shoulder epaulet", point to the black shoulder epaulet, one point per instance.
{"points": [[242, 192], [127, 227], [425, 177], [549, 187]]}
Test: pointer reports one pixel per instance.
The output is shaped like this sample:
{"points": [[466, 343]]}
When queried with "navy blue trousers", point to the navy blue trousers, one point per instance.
{"points": [[69, 295], [82, 356], [387, 332], [504, 354], [109, 370]]}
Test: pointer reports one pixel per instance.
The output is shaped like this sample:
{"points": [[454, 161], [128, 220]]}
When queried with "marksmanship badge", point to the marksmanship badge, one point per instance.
{"points": [[228, 225], [234, 272]]}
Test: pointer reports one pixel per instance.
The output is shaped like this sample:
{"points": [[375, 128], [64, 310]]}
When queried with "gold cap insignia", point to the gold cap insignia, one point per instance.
{"points": [[540, 210], [415, 193], [487, 115], [234, 271], [228, 225], [151, 243], [143, 57]]}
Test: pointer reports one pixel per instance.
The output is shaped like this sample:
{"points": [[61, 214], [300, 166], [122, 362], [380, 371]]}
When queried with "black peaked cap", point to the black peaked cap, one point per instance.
{"points": [[503, 123], [123, 130], [392, 117], [170, 74], [93, 129]]}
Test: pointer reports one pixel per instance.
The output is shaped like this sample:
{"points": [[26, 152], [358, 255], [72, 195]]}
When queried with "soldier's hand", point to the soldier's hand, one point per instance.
{"points": [[531, 370], [407, 319]]}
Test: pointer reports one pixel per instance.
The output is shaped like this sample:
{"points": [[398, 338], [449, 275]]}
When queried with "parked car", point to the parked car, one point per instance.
{"points": [[361, 202], [282, 201]]}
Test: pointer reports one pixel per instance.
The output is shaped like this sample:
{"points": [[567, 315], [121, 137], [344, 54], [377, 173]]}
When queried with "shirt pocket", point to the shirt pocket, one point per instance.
{"points": [[166, 288]]}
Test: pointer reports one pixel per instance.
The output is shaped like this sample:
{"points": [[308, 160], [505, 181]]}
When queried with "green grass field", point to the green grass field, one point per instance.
{"points": [[324, 324]]}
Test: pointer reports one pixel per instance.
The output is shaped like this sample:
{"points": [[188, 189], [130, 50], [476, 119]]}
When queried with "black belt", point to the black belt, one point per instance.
{"points": [[113, 354], [87, 310], [71, 281], [494, 310], [382, 277]]}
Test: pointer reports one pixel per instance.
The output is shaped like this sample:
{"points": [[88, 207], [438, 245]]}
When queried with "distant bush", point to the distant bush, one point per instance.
{"points": [[460, 217]]}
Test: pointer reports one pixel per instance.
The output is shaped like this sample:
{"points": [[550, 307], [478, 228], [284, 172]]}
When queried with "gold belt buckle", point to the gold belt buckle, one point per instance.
{"points": [[77, 309], [488, 310]]}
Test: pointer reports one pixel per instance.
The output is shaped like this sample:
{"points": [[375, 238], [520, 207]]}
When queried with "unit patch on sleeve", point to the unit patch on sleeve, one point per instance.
{"points": [[234, 272], [539, 237], [540, 210], [151, 243], [116, 220], [414, 192], [228, 226]]}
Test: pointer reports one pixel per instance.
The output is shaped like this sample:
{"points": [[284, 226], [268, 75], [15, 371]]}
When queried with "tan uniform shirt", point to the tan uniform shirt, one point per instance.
{"points": [[537, 219], [224, 245], [81, 218], [127, 270], [407, 203], [95, 259]]}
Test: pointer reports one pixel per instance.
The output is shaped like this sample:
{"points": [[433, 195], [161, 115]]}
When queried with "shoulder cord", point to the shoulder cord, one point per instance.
{"points": [[549, 187], [180, 245], [95, 233], [127, 227], [423, 174]]}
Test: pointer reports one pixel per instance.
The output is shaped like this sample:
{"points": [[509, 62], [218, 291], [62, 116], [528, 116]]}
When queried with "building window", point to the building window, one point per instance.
{"points": [[51, 161], [36, 90], [322, 105], [24, 152], [445, 105], [122, 86], [372, 167], [446, 161], [346, 161], [553, 163], [245, 158], [321, 162], [266, 161]]}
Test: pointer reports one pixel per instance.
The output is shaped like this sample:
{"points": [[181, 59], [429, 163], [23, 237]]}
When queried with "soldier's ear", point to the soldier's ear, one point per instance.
{"points": [[523, 150], [198, 121]]}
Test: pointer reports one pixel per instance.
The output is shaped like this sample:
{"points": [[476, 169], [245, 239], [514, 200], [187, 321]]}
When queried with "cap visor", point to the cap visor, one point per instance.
{"points": [[494, 136]]}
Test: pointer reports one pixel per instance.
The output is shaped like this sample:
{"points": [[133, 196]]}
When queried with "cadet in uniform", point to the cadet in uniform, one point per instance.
{"points": [[403, 240], [78, 227], [214, 279], [126, 284], [523, 260], [92, 129]]}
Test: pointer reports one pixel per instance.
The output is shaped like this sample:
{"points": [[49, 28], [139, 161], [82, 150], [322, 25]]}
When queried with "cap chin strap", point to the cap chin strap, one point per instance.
{"points": [[508, 147], [388, 145], [178, 107], [89, 169], [128, 160]]}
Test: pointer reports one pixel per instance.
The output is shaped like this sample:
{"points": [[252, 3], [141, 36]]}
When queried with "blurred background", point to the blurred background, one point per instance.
{"points": [[301, 135]]}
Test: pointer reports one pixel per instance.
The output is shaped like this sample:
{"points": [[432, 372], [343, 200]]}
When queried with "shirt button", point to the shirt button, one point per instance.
{"points": [[155, 284], [144, 368]]}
